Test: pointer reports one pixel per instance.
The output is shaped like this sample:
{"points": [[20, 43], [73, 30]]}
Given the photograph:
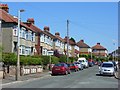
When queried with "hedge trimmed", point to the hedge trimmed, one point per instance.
{"points": [[11, 59]]}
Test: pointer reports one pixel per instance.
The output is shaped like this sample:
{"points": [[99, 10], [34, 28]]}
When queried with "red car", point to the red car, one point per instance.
{"points": [[73, 66], [60, 68]]}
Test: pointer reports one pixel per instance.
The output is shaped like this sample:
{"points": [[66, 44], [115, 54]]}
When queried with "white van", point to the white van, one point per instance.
{"points": [[83, 61]]}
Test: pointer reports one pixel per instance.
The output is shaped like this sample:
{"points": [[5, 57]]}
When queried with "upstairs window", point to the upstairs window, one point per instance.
{"points": [[15, 31]]}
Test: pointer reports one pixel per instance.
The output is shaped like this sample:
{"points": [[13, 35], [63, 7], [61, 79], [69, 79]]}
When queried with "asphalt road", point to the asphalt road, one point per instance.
{"points": [[86, 78]]}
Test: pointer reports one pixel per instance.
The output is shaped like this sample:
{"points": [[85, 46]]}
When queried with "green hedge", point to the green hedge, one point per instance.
{"points": [[11, 59]]}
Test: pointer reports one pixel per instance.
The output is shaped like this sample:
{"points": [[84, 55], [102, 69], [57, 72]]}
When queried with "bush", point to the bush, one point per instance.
{"points": [[9, 58], [63, 59], [45, 60], [54, 60], [30, 60], [72, 59]]}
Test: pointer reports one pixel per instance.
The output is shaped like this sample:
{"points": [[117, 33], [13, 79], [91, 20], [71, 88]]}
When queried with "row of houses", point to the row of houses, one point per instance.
{"points": [[35, 41]]}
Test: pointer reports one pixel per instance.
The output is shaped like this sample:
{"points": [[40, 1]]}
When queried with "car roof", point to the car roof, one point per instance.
{"points": [[107, 63]]}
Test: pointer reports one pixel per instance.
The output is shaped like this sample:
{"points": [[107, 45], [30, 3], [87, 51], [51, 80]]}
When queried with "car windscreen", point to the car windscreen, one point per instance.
{"points": [[107, 65], [59, 65]]}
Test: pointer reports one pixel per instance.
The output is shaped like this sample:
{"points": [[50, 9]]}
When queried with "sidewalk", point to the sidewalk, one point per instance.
{"points": [[11, 79]]}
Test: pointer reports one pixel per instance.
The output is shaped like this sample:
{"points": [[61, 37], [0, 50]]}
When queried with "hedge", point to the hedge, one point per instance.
{"points": [[11, 59]]}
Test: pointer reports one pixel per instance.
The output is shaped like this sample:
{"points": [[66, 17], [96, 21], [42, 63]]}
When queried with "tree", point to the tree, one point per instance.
{"points": [[72, 39]]}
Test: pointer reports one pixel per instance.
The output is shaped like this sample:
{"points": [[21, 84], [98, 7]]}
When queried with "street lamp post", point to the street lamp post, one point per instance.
{"points": [[18, 39], [67, 40]]}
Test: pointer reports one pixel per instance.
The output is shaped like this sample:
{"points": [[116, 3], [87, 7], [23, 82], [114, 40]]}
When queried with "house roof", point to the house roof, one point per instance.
{"points": [[35, 28], [49, 34], [70, 41], [99, 47], [58, 37], [9, 18], [81, 44]]}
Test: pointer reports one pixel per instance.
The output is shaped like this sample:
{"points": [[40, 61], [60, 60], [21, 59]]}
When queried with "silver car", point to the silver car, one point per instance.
{"points": [[107, 68], [79, 64]]}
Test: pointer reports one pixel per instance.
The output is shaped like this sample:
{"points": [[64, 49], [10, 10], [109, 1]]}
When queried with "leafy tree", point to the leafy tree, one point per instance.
{"points": [[72, 39]]}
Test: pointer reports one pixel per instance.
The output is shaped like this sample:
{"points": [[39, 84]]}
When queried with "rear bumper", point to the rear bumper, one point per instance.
{"points": [[106, 73], [58, 72]]}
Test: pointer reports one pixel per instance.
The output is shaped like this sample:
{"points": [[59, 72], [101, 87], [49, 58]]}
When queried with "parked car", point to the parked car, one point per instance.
{"points": [[107, 68], [115, 65], [90, 62], [79, 65], [84, 62], [73, 67], [60, 68]]}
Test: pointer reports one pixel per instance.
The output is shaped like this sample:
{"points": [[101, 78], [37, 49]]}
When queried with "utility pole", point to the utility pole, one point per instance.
{"points": [[18, 55], [91, 53], [67, 40]]}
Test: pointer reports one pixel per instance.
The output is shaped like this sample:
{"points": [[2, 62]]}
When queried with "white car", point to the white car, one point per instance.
{"points": [[84, 62], [107, 68], [79, 65]]}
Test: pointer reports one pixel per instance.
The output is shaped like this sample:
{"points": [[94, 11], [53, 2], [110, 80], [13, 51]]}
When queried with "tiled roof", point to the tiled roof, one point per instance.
{"points": [[70, 41], [58, 37], [81, 44], [49, 34], [99, 47], [9, 18], [6, 17], [33, 27]]}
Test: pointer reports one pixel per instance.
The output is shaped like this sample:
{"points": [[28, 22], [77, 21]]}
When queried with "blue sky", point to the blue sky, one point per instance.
{"points": [[92, 21]]}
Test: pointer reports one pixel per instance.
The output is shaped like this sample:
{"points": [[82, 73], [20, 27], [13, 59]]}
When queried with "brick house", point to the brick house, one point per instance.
{"points": [[99, 51], [71, 47], [10, 34], [58, 43], [31, 23], [83, 47]]}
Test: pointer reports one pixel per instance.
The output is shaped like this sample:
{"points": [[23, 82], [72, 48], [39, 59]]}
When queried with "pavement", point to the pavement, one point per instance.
{"points": [[11, 79]]}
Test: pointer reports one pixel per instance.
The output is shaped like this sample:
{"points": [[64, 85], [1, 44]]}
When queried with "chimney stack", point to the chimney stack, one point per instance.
{"points": [[4, 7], [98, 43], [31, 20], [82, 40], [46, 28], [57, 34]]}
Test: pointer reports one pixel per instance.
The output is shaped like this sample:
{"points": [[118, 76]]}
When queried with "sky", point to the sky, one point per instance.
{"points": [[91, 21]]}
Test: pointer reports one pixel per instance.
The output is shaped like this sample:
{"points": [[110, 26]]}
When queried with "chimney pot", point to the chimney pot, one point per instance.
{"points": [[82, 40], [4, 7], [57, 34], [31, 20], [98, 43], [46, 28]]}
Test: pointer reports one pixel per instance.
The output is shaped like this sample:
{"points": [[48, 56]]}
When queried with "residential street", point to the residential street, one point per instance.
{"points": [[82, 79]]}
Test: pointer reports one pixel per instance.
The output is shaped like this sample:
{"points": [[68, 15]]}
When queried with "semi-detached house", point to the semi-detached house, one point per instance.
{"points": [[44, 39], [10, 34], [58, 44]]}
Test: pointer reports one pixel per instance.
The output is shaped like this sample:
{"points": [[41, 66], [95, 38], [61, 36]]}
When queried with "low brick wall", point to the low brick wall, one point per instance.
{"points": [[32, 69], [24, 70], [1, 74]]}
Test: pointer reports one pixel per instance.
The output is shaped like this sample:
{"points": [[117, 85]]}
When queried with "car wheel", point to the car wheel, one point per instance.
{"points": [[52, 74], [69, 72]]}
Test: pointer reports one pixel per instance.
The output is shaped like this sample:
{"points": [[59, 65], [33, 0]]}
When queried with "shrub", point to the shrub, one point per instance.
{"points": [[54, 60], [63, 59], [45, 60], [9, 58], [30, 60]]}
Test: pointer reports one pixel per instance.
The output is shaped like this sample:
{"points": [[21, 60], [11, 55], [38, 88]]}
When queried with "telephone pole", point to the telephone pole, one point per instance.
{"points": [[67, 40]]}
